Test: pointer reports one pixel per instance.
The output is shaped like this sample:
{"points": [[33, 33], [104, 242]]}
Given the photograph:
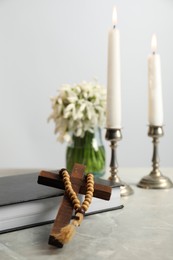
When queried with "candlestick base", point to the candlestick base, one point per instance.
{"points": [[155, 181], [114, 135], [125, 189]]}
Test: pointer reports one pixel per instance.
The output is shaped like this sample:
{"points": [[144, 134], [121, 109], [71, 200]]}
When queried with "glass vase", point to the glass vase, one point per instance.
{"points": [[89, 151]]}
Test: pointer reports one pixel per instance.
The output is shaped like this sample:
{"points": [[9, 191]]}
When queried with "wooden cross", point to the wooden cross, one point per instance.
{"points": [[65, 212]]}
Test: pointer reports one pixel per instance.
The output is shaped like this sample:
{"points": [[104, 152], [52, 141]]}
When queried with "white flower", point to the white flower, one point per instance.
{"points": [[78, 108]]}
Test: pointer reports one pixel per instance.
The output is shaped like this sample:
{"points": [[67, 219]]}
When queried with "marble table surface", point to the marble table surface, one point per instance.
{"points": [[143, 229]]}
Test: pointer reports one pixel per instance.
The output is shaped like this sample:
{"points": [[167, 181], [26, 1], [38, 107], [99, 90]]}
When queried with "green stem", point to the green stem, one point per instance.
{"points": [[82, 151]]}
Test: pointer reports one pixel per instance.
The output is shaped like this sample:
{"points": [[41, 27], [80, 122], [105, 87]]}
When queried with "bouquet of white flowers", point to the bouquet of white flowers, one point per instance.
{"points": [[78, 110]]}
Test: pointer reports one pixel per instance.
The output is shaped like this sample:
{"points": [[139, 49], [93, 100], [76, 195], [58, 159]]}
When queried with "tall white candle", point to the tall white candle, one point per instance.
{"points": [[155, 103], [113, 77]]}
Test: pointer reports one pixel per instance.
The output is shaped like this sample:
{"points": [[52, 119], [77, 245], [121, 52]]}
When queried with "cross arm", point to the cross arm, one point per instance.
{"points": [[52, 179]]}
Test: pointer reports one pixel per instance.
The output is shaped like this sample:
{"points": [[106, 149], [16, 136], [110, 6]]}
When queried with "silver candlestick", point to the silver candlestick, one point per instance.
{"points": [[155, 180], [115, 135]]}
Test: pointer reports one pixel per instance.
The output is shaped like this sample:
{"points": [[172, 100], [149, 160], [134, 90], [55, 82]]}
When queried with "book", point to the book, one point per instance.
{"points": [[24, 203]]}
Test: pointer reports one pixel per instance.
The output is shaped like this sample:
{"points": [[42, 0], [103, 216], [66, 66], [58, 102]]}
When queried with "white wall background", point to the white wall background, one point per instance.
{"points": [[45, 43]]}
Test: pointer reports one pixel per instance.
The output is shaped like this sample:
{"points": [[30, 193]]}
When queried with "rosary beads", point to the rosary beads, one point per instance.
{"points": [[68, 231]]}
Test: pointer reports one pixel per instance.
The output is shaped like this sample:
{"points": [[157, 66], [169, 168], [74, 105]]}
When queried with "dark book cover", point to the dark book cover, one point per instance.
{"points": [[23, 188]]}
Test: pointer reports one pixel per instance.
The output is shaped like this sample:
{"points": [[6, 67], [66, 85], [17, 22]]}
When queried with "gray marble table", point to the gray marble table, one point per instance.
{"points": [[143, 229]]}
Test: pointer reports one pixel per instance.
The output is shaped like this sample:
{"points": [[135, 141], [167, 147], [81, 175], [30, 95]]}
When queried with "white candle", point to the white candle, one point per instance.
{"points": [[155, 103], [113, 77]]}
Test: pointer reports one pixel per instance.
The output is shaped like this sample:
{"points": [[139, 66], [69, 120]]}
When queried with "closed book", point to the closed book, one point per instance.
{"points": [[24, 203]]}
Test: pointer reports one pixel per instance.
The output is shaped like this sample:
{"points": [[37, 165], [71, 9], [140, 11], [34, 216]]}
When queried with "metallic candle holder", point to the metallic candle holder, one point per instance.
{"points": [[155, 180], [115, 135]]}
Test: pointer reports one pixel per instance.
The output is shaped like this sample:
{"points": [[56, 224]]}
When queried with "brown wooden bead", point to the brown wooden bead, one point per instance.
{"points": [[76, 206], [80, 210], [71, 193], [88, 200], [67, 189], [61, 172], [66, 178], [85, 207], [66, 183], [86, 203], [76, 201], [91, 189], [89, 193], [90, 183], [73, 197]]}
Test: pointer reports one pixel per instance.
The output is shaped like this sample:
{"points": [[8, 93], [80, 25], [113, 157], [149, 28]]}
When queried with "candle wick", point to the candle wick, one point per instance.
{"points": [[114, 26], [154, 52]]}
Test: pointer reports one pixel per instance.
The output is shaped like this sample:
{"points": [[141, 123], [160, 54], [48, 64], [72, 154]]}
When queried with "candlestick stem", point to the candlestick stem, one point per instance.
{"points": [[155, 180], [114, 135], [113, 162], [155, 158]]}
